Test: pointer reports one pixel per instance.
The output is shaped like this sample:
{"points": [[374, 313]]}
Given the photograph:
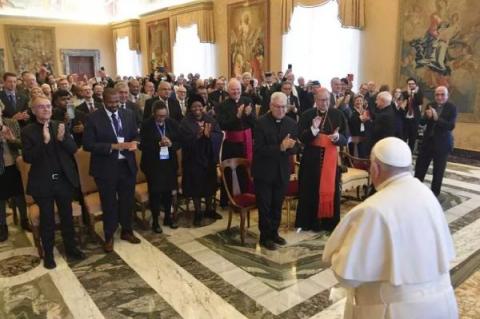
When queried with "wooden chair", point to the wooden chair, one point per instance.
{"points": [[89, 189], [239, 202], [141, 192], [292, 191], [33, 211], [357, 176]]}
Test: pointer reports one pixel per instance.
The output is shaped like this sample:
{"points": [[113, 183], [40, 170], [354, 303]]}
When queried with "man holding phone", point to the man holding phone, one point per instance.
{"points": [[110, 135]]}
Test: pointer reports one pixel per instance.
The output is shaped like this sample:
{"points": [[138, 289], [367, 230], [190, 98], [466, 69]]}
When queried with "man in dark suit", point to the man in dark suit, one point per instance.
{"points": [[383, 125], [266, 91], [307, 97], [164, 91], [123, 94], [52, 177], [414, 98], [293, 106], [110, 135], [275, 141], [440, 117], [219, 95], [16, 103], [89, 105]]}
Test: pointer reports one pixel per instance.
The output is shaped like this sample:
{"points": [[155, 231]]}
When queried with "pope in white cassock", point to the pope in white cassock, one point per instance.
{"points": [[392, 251]]}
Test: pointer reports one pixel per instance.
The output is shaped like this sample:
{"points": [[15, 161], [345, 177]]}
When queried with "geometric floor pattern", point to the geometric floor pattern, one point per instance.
{"points": [[206, 273]]}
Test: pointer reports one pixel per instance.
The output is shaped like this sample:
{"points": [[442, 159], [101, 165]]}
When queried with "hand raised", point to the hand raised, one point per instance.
{"points": [[240, 111]]}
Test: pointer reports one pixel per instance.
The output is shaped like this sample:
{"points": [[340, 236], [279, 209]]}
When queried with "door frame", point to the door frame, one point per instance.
{"points": [[66, 53]]}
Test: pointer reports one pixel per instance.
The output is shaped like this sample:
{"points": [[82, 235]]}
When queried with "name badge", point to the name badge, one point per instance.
{"points": [[164, 155], [362, 127], [120, 139]]}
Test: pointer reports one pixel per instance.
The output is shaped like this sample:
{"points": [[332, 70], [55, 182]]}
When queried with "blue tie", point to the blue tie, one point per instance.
{"points": [[12, 101], [116, 124]]}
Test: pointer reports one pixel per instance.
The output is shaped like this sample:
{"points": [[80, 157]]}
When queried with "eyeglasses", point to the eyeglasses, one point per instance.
{"points": [[43, 106], [440, 94]]}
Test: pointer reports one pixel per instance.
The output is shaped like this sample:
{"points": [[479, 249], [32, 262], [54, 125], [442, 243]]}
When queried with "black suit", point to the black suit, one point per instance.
{"points": [[306, 99], [437, 144], [411, 120], [83, 107], [129, 105], [383, 125], [21, 105], [271, 171], [217, 97], [266, 92], [174, 109], [52, 179], [113, 176], [161, 173]]}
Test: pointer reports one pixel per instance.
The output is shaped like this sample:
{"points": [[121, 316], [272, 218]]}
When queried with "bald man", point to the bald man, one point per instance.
{"points": [[393, 251], [440, 117], [164, 92]]}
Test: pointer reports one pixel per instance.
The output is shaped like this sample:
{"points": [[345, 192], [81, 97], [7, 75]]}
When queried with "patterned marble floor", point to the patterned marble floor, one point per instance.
{"points": [[206, 273]]}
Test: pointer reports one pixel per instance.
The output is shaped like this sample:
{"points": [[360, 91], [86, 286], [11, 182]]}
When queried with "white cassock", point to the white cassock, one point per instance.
{"points": [[392, 253]]}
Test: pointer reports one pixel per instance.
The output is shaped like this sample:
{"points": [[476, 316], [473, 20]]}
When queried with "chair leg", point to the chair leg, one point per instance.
{"points": [[242, 226], [287, 202], [36, 240], [230, 215]]}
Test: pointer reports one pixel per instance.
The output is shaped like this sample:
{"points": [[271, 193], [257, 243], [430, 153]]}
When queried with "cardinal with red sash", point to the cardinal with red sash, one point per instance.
{"points": [[321, 130]]}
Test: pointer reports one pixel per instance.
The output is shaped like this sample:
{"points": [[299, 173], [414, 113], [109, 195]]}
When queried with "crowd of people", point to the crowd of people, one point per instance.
{"points": [[265, 122]]}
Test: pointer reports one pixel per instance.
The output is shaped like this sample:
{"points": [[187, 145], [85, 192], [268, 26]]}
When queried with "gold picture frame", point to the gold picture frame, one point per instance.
{"points": [[159, 47]]}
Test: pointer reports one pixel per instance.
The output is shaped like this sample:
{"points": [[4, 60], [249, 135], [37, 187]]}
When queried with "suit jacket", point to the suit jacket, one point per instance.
{"points": [[161, 174], [417, 102], [440, 132], [268, 159], [217, 97], [21, 105], [306, 99], [84, 107], [36, 152], [140, 101], [136, 111], [98, 138], [174, 110], [383, 125]]}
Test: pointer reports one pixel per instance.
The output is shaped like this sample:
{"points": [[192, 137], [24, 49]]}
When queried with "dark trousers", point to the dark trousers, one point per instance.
{"points": [[160, 198], [117, 199], [62, 193], [426, 155], [410, 132], [270, 197]]}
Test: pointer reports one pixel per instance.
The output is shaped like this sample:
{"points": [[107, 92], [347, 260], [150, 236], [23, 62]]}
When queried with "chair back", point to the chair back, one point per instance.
{"points": [[233, 188], [355, 162], [141, 178], [87, 182], [24, 168]]}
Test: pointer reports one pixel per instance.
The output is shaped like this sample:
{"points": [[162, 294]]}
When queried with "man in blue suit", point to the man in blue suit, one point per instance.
{"points": [[440, 117], [110, 135]]}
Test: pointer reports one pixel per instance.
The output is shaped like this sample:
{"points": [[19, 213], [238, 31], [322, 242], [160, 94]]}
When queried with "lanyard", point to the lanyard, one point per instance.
{"points": [[161, 129]]}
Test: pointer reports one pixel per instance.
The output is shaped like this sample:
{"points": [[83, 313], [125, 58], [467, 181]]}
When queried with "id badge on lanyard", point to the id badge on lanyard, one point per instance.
{"points": [[163, 154]]}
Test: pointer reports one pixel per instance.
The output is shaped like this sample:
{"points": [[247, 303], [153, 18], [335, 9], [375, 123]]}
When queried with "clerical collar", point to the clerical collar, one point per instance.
{"points": [[392, 179]]}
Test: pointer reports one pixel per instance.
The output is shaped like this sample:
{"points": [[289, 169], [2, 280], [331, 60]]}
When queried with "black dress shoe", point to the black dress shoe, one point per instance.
{"points": [[280, 241], [213, 214], [3, 233], [49, 262], [268, 244], [170, 223], [197, 220], [25, 225], [75, 253], [157, 229]]}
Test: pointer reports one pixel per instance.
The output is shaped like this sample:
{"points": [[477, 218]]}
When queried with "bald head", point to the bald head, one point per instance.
{"points": [[441, 95], [322, 99], [164, 90], [234, 89]]}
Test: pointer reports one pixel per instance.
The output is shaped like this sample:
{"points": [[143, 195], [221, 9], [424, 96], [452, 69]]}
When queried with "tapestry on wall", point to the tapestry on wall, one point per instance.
{"points": [[32, 45], [248, 38], [440, 46], [159, 51]]}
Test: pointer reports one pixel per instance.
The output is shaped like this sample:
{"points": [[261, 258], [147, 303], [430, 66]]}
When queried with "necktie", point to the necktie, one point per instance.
{"points": [[12, 101], [90, 107], [410, 105], [123, 106], [117, 126]]}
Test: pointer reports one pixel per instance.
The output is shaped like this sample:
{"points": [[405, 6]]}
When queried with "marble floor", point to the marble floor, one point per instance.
{"points": [[206, 273]]}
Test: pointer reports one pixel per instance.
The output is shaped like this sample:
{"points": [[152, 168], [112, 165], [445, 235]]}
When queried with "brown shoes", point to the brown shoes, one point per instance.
{"points": [[108, 245], [130, 238]]}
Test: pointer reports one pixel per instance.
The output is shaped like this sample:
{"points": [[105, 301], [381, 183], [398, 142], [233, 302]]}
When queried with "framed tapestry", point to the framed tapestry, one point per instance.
{"points": [[29, 47], [159, 50], [440, 45], [248, 37]]}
